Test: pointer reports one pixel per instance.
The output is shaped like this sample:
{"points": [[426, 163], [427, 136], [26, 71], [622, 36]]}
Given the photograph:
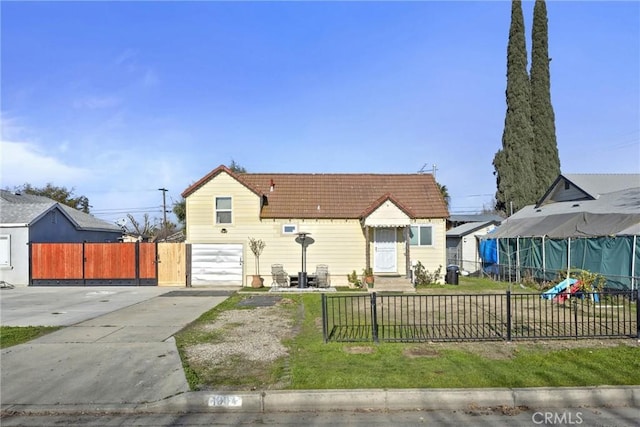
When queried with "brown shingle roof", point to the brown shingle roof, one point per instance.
{"points": [[339, 195]]}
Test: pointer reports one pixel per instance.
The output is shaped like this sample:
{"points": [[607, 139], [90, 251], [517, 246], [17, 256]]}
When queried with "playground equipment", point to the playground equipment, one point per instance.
{"points": [[558, 292]]}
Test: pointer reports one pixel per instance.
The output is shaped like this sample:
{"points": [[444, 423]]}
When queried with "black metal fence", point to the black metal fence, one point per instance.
{"points": [[489, 317]]}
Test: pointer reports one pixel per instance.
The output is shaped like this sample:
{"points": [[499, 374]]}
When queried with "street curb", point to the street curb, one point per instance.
{"points": [[362, 400], [395, 400]]}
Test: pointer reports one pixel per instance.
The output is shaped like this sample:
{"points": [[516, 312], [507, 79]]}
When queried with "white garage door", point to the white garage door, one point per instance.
{"points": [[216, 264]]}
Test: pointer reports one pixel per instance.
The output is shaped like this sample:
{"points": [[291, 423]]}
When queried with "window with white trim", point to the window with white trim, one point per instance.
{"points": [[5, 250], [421, 235], [289, 228], [223, 210]]}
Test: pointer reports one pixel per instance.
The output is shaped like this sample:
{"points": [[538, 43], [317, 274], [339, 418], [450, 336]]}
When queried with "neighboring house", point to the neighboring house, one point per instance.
{"points": [[587, 221], [385, 221], [25, 219], [463, 241], [457, 220]]}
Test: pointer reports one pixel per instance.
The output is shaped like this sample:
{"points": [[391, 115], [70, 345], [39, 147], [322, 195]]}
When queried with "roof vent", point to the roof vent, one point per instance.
{"points": [[576, 205], [272, 186]]}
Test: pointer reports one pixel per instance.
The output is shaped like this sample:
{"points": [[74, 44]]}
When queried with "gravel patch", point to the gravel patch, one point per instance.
{"points": [[253, 335]]}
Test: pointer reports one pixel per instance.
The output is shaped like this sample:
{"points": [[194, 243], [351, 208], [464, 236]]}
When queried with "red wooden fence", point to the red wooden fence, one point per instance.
{"points": [[56, 261], [148, 261], [93, 264]]}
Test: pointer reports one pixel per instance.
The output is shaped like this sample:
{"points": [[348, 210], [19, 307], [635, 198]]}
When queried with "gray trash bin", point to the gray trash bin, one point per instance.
{"points": [[453, 272]]}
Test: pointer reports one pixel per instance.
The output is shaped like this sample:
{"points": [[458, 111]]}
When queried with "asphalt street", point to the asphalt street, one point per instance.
{"points": [[477, 417]]}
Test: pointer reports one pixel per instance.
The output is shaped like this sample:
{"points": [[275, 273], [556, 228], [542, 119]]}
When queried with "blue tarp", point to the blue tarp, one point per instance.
{"points": [[489, 251]]}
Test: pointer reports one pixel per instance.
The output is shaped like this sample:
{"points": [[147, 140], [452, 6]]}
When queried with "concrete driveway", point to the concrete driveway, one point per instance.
{"points": [[125, 356], [66, 305]]}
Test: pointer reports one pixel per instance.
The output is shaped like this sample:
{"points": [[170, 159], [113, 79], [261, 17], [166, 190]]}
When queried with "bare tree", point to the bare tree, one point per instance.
{"points": [[144, 229]]}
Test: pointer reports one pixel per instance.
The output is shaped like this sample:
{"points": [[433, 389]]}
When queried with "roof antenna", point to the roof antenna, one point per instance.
{"points": [[423, 168]]}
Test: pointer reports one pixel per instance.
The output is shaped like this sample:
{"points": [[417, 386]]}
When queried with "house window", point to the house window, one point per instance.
{"points": [[223, 210], [5, 250], [421, 235], [289, 229]]}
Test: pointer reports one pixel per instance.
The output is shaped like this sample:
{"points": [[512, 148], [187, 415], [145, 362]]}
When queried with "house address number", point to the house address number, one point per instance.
{"points": [[220, 400]]}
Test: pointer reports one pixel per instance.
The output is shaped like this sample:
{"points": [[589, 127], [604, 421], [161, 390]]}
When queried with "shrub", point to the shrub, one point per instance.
{"points": [[589, 282], [354, 279], [424, 277]]}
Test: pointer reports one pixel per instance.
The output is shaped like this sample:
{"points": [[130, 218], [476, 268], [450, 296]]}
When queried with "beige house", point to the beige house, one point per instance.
{"points": [[384, 221]]}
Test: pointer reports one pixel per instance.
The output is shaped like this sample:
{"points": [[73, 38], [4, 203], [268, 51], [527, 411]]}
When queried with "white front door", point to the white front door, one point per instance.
{"points": [[384, 247]]}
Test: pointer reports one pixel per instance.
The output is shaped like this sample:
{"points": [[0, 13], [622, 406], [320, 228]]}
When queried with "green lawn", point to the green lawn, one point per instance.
{"points": [[453, 365], [14, 335], [475, 285], [311, 364]]}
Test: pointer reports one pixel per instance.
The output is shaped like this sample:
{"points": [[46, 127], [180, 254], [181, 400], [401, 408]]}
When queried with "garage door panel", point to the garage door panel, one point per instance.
{"points": [[216, 264]]}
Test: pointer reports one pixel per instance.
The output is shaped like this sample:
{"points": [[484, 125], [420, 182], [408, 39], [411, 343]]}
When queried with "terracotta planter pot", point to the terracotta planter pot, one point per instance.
{"points": [[257, 281], [369, 281]]}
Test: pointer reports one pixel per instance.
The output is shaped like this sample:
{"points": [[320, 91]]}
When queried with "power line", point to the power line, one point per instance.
{"points": [[103, 191], [127, 209]]}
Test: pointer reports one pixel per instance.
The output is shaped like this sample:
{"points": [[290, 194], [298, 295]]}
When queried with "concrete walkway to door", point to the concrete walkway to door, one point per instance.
{"points": [[124, 357]]}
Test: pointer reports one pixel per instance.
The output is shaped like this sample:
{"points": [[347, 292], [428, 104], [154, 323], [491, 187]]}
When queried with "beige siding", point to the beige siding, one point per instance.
{"points": [[200, 206], [387, 214], [338, 243], [432, 256]]}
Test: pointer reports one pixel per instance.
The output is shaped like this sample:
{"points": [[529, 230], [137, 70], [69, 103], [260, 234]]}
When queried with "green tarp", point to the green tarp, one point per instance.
{"points": [[548, 259]]}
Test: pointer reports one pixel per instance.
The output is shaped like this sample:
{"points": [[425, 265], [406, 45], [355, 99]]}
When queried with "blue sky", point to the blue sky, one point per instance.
{"points": [[118, 99]]}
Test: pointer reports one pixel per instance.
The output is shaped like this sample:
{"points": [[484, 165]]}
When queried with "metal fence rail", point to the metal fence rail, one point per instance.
{"points": [[481, 317]]}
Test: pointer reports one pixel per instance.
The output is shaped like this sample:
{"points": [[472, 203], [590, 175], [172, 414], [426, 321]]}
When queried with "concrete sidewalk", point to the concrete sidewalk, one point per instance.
{"points": [[125, 357]]}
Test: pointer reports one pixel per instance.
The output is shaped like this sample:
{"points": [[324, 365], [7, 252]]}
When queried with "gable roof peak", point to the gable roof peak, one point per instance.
{"points": [[387, 197], [215, 172], [592, 185]]}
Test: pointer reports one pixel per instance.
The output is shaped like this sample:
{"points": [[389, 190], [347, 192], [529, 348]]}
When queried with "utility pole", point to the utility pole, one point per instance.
{"points": [[164, 209]]}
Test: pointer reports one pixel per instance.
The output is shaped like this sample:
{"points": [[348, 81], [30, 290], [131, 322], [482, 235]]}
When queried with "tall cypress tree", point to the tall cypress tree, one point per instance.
{"points": [[514, 168], [545, 147]]}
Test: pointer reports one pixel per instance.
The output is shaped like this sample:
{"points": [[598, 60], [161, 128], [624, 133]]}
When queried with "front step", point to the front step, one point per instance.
{"points": [[392, 284]]}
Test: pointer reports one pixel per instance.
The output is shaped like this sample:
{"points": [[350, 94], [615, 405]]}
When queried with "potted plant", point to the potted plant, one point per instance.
{"points": [[367, 274], [256, 246], [354, 279]]}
